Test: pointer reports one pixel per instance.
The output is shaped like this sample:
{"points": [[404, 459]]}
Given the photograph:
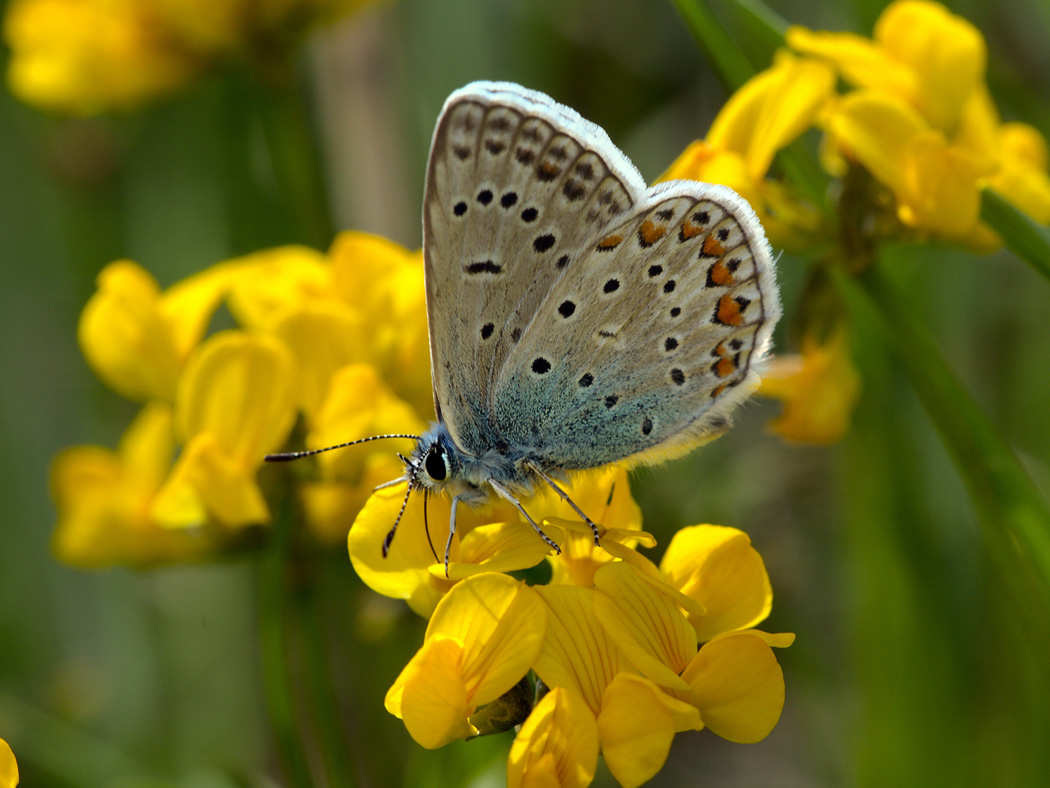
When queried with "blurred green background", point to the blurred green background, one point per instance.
{"points": [[911, 667]]}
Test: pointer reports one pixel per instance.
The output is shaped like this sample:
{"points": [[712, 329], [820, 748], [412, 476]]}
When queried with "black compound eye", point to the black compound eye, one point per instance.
{"points": [[435, 464]]}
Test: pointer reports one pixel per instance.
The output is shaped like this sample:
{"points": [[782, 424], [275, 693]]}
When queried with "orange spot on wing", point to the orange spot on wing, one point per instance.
{"points": [[712, 247], [721, 349], [729, 311], [549, 170], [725, 366], [650, 233], [719, 274], [718, 390], [690, 230], [610, 242]]}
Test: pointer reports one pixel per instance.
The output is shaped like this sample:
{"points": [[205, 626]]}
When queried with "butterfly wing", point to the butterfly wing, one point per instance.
{"points": [[517, 186], [651, 338]]}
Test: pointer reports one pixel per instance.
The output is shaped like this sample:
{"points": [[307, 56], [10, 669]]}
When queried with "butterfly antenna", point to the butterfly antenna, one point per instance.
{"points": [[298, 455], [400, 514], [426, 525]]}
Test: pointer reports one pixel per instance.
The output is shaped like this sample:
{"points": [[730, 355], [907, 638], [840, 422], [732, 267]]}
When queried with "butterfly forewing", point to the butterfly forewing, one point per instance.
{"points": [[515, 188]]}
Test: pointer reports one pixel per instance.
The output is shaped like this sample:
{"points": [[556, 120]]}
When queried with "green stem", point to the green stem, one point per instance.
{"points": [[726, 55], [1022, 235], [1014, 515], [276, 634]]}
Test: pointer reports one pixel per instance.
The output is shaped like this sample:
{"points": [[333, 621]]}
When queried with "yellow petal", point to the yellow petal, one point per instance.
{"points": [[577, 653], [770, 110], [188, 305], [946, 53], [1022, 177], [637, 725], [9, 767], [500, 623], [498, 547], [125, 338], [276, 281], [645, 624], [739, 686], [877, 130], [431, 697], [238, 388], [209, 485], [860, 60], [819, 388], [718, 568], [403, 573], [324, 336], [104, 498], [557, 746]]}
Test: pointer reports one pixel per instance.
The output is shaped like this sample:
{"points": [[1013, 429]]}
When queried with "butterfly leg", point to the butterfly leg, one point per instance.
{"points": [[565, 497], [507, 495], [451, 531]]}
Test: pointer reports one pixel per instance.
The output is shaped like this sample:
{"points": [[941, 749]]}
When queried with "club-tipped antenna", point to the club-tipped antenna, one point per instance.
{"points": [[390, 536], [287, 456]]}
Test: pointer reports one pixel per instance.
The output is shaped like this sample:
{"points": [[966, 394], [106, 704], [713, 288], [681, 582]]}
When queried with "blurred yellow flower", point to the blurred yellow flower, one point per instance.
{"points": [[83, 57], [8, 766], [234, 405], [482, 639], [819, 388], [104, 500], [136, 338], [765, 115], [921, 121]]}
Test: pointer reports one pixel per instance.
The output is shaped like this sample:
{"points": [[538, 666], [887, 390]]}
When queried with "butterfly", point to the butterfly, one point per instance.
{"points": [[577, 317]]}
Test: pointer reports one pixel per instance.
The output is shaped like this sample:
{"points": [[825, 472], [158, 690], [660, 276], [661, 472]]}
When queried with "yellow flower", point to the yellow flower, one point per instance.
{"points": [[481, 641], [557, 745], [921, 120], [87, 56], [819, 388], [136, 338], [104, 500], [636, 721], [765, 115], [234, 405], [920, 53], [84, 57], [8, 766]]}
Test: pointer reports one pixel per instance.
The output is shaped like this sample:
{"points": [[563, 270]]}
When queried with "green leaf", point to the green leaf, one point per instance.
{"points": [[1022, 235], [1014, 515]]}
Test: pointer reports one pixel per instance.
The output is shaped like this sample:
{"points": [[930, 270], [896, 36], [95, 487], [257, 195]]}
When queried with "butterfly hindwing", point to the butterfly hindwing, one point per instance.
{"points": [[656, 334]]}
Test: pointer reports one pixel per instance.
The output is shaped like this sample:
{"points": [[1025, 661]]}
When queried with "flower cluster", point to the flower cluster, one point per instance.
{"points": [[917, 117], [624, 653], [614, 655], [83, 57], [337, 338]]}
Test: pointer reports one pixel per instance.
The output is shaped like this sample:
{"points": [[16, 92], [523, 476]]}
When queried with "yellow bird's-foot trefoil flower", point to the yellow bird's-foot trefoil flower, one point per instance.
{"points": [[919, 118]]}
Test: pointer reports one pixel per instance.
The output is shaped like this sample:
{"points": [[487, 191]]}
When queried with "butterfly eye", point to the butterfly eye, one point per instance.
{"points": [[435, 464]]}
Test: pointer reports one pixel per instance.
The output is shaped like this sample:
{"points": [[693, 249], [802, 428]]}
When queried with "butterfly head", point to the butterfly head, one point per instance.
{"points": [[434, 462]]}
